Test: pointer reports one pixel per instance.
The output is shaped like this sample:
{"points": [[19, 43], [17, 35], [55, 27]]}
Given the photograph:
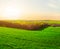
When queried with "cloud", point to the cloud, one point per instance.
{"points": [[54, 1], [53, 4]]}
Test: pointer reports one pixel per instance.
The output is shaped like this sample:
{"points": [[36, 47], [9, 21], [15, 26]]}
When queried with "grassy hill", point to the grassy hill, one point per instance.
{"points": [[29, 25], [49, 38]]}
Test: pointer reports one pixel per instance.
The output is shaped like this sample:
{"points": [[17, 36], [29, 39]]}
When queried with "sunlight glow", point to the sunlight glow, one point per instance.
{"points": [[12, 13]]}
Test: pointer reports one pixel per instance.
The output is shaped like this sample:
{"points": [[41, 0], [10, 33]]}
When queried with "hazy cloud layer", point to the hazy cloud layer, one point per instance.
{"points": [[54, 3]]}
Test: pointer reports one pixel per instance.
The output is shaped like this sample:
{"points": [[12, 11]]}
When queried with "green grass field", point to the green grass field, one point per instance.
{"points": [[49, 38]]}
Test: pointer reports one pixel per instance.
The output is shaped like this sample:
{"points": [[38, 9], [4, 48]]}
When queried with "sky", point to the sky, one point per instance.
{"points": [[30, 9]]}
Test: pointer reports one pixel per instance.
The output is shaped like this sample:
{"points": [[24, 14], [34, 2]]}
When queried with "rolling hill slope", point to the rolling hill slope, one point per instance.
{"points": [[49, 38]]}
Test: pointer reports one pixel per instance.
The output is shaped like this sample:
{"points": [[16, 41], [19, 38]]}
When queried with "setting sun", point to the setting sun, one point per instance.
{"points": [[12, 13]]}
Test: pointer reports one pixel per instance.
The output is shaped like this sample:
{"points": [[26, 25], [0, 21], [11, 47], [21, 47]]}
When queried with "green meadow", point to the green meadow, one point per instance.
{"points": [[48, 38]]}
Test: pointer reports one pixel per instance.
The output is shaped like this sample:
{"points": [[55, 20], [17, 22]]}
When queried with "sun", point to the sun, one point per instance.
{"points": [[12, 13]]}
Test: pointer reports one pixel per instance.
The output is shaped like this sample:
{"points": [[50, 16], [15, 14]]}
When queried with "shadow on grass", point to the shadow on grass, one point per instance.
{"points": [[24, 26], [6, 46]]}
